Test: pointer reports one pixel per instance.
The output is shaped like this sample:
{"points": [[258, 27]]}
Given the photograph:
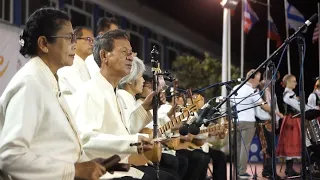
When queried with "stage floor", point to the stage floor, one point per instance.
{"points": [[259, 170]]}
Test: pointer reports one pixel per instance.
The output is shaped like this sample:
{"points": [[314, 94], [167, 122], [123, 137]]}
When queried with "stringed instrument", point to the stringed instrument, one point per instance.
{"points": [[215, 130], [155, 154]]}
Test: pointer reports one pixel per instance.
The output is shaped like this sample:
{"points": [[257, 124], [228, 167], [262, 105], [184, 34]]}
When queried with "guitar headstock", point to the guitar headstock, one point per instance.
{"points": [[194, 99], [198, 100]]}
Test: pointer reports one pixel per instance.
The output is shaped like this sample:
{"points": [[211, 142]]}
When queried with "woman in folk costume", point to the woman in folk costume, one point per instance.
{"points": [[289, 145], [314, 97], [314, 149], [38, 137]]}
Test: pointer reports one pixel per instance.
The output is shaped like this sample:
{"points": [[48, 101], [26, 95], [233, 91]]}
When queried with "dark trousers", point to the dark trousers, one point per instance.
{"points": [[314, 154], [126, 178], [183, 164], [219, 162], [170, 164], [150, 173], [197, 164]]}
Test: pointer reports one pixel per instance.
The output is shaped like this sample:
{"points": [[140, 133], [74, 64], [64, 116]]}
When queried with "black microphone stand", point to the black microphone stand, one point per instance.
{"points": [[232, 115], [222, 116], [271, 67], [272, 56], [233, 156], [300, 43], [155, 101]]}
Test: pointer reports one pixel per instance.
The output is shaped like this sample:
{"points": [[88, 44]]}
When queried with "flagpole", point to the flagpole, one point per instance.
{"points": [[242, 39], [287, 35], [268, 36], [319, 35], [229, 47]]}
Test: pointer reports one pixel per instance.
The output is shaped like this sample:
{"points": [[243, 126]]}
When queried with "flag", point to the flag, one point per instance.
{"points": [[294, 18], [273, 33], [250, 17], [316, 33]]}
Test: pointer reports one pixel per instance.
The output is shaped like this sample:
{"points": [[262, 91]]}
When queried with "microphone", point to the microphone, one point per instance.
{"points": [[184, 130], [311, 20], [193, 129], [308, 22], [203, 113]]}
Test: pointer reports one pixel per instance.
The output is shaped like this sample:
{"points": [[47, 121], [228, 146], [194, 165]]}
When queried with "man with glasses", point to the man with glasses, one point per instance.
{"points": [[99, 114], [104, 25], [71, 77]]}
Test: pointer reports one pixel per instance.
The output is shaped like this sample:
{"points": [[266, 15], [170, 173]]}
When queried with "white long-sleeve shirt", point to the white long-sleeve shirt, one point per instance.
{"points": [[312, 99], [92, 66], [134, 116], [72, 77], [99, 117], [291, 99], [252, 97], [37, 140]]}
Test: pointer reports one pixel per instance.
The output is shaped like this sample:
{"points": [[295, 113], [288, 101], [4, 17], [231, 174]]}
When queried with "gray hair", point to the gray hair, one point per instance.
{"points": [[106, 42], [137, 68]]}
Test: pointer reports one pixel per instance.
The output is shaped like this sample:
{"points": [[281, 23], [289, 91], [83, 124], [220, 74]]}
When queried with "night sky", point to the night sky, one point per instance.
{"points": [[205, 18]]}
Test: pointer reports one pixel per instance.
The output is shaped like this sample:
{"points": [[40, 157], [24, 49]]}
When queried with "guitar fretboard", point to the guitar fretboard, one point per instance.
{"points": [[176, 120], [216, 128]]}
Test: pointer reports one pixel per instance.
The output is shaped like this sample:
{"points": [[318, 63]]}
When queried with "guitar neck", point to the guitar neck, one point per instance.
{"points": [[215, 128], [175, 121]]}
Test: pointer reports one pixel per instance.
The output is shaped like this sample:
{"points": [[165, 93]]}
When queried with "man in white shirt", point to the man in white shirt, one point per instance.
{"points": [[247, 97], [104, 25], [71, 77], [84, 65], [99, 115]]}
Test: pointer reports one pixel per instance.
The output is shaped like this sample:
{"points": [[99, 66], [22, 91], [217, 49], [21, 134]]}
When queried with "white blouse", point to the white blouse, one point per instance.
{"points": [[291, 99], [135, 117], [312, 100], [72, 77], [37, 140]]}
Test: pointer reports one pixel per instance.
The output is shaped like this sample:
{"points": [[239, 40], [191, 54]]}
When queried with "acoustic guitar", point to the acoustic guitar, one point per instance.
{"points": [[154, 155], [218, 130]]}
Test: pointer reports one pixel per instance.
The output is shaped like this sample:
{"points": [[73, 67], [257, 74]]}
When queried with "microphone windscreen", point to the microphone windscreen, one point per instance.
{"points": [[184, 130], [314, 18], [206, 124], [194, 130]]}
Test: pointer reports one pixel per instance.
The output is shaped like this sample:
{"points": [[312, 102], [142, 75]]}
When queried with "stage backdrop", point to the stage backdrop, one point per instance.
{"points": [[10, 58]]}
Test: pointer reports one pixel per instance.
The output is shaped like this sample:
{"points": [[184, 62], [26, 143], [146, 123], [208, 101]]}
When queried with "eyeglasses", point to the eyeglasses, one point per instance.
{"points": [[72, 37], [89, 39]]}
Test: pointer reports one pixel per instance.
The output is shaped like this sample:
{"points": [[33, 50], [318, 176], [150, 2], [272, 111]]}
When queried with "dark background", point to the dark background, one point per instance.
{"points": [[205, 18]]}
